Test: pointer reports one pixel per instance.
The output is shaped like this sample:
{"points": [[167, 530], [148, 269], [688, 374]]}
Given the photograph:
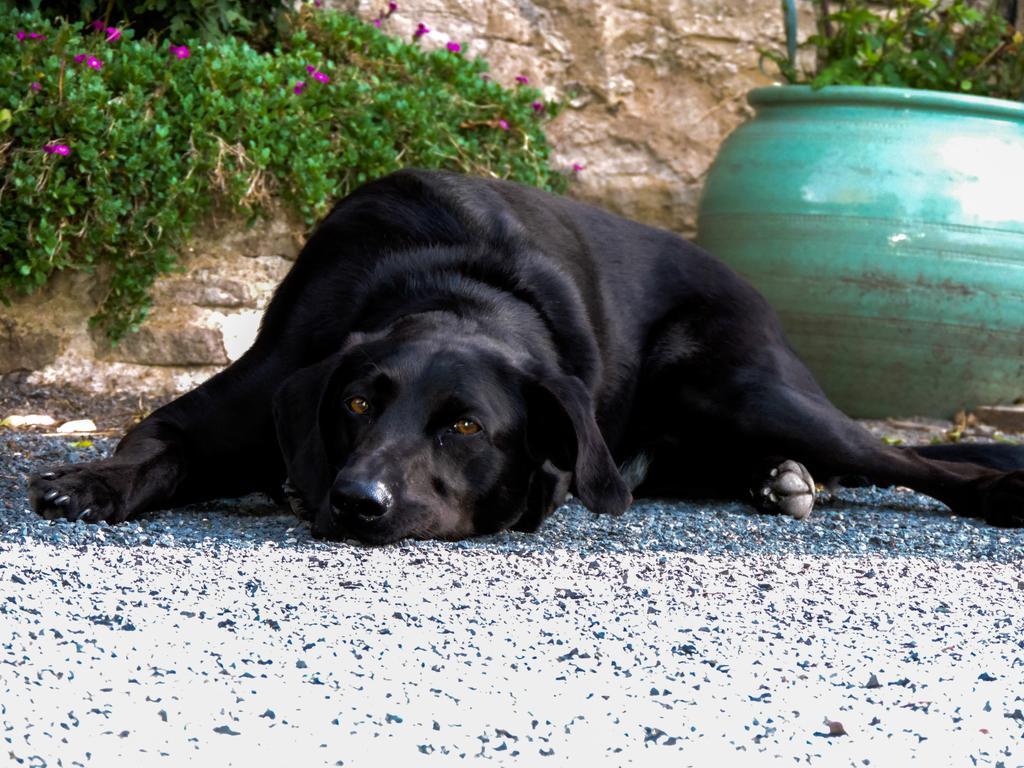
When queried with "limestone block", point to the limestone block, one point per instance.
{"points": [[204, 291], [175, 337], [24, 347]]}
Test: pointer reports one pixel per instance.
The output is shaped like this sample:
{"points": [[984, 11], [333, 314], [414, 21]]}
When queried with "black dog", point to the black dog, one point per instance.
{"points": [[450, 356]]}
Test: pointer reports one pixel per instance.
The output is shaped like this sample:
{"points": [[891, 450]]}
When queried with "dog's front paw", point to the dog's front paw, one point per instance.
{"points": [[1002, 500], [86, 492], [788, 490]]}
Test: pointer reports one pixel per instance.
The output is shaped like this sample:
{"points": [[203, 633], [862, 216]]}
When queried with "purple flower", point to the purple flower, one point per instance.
{"points": [[503, 124], [97, 25], [522, 79], [35, 86], [421, 30], [21, 35], [113, 34], [57, 149], [392, 7], [376, 23], [538, 107], [310, 68], [181, 51], [80, 58], [454, 47], [318, 3], [577, 167], [36, 36], [300, 86]]}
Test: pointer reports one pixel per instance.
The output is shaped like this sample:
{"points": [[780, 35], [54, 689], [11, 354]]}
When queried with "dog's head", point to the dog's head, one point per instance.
{"points": [[438, 438]]}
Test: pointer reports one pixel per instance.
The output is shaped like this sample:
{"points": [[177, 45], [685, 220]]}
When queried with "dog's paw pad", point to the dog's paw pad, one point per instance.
{"points": [[787, 490]]}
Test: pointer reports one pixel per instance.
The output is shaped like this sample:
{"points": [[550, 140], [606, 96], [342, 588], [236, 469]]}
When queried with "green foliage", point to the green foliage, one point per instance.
{"points": [[942, 46], [208, 20], [156, 142]]}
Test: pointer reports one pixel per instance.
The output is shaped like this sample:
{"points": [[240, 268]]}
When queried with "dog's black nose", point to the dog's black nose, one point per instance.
{"points": [[368, 500]]}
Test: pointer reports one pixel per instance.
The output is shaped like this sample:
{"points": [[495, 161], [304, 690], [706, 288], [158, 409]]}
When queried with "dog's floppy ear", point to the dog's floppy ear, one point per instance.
{"points": [[561, 429], [297, 408]]}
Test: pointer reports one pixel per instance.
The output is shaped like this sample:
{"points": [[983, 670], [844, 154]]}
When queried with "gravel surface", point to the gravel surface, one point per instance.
{"points": [[878, 632]]}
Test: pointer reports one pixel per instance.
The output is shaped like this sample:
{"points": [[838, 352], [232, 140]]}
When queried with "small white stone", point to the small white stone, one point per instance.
{"points": [[77, 425], [27, 420]]}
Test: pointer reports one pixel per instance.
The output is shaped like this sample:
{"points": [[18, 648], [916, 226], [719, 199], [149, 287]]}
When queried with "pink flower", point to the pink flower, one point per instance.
{"points": [[35, 86], [421, 30], [181, 51], [577, 167], [90, 61], [113, 34], [522, 79], [392, 7], [317, 74], [97, 25], [538, 107], [503, 124], [376, 23], [56, 149], [21, 35], [300, 86], [454, 47], [318, 3]]}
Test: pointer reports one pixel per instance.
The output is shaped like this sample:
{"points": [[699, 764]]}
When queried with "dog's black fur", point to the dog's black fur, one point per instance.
{"points": [[451, 355]]}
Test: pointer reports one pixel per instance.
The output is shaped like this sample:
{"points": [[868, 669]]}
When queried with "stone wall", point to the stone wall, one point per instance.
{"points": [[652, 88], [203, 318]]}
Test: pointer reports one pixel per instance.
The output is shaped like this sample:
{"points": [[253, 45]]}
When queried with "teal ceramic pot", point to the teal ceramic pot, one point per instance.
{"points": [[886, 226]]}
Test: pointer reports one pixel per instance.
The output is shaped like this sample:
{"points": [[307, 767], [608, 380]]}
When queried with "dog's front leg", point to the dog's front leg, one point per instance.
{"points": [[216, 441]]}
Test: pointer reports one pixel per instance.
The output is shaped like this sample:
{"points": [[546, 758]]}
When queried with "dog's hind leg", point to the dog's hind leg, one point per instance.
{"points": [[739, 415], [778, 424]]}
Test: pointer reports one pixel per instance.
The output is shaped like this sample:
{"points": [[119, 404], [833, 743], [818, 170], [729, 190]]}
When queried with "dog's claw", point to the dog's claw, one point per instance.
{"points": [[83, 513], [48, 475], [50, 495], [61, 501], [788, 490]]}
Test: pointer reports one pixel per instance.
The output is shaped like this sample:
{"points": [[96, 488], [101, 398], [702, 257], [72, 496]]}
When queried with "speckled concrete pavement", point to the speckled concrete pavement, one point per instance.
{"points": [[679, 634]]}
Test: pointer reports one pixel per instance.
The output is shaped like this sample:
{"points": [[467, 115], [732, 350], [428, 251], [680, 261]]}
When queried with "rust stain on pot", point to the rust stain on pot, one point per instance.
{"points": [[874, 281]]}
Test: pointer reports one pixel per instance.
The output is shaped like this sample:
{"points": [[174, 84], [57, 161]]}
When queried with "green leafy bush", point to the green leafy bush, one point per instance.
{"points": [[961, 46], [111, 151], [209, 20]]}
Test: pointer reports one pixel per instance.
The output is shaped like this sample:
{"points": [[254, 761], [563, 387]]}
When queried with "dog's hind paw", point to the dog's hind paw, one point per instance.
{"points": [[787, 490]]}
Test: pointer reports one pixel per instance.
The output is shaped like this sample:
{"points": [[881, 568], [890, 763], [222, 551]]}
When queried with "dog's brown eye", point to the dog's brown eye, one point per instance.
{"points": [[466, 427], [358, 405]]}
